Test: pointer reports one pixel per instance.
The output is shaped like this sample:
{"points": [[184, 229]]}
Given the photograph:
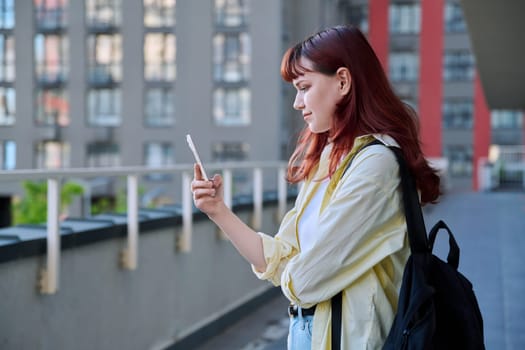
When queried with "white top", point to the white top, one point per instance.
{"points": [[309, 222]]}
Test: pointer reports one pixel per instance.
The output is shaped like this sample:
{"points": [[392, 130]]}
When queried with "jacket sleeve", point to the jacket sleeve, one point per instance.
{"points": [[362, 224], [279, 249]]}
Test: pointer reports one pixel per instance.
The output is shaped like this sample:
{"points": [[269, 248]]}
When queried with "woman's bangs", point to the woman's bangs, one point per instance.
{"points": [[291, 67]]}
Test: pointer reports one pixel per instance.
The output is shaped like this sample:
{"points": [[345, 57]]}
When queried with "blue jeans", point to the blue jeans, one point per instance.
{"points": [[300, 333]]}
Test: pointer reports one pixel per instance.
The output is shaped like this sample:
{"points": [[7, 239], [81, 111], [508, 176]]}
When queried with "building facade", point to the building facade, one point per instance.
{"points": [[111, 82]]}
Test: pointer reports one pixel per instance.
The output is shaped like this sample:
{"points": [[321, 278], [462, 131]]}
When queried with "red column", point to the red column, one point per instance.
{"points": [[378, 29], [430, 76], [481, 129]]}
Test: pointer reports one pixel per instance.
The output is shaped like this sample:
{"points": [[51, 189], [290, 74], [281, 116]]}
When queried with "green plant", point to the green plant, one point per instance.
{"points": [[32, 207]]}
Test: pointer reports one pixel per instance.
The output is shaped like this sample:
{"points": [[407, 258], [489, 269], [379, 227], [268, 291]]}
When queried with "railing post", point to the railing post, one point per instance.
{"points": [[49, 278], [281, 194], [184, 241], [130, 253], [228, 194], [257, 198]]}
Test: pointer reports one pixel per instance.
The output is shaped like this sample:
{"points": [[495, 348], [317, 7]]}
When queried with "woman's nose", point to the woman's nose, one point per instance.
{"points": [[298, 103]]}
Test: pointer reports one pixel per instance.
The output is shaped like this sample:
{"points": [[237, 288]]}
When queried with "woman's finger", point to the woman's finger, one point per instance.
{"points": [[197, 172]]}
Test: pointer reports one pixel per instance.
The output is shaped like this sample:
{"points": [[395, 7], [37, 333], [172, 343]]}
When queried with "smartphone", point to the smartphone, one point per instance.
{"points": [[196, 156]]}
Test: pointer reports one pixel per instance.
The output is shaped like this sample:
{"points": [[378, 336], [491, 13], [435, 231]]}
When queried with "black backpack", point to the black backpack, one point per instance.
{"points": [[437, 308]]}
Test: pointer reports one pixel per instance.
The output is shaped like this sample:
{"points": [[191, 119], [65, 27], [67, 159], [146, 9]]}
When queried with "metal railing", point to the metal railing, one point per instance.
{"points": [[49, 276]]}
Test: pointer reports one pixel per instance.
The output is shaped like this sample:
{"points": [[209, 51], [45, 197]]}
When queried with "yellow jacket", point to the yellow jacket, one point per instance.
{"points": [[361, 247]]}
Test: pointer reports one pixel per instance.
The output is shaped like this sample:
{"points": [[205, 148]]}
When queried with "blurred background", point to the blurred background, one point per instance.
{"points": [[107, 84]]}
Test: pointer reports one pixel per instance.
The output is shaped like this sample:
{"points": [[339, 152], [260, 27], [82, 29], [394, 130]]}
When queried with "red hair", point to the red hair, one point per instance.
{"points": [[370, 107]]}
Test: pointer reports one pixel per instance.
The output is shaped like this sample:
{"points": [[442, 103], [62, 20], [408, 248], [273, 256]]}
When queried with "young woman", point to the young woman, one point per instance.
{"points": [[347, 230]]}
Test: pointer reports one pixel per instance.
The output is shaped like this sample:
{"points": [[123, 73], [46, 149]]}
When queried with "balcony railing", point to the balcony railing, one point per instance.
{"points": [[49, 278]]}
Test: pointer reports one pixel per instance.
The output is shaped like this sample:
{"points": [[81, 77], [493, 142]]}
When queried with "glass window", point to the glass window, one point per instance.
{"points": [[159, 13], [458, 65], [158, 154], [52, 155], [7, 58], [7, 14], [232, 107], [506, 119], [7, 155], [231, 57], [159, 107], [356, 15], [51, 14], [105, 58], [103, 13], [405, 18], [460, 160], [403, 66], [159, 57], [454, 20], [231, 13], [104, 107], [103, 154], [51, 63], [457, 114], [230, 151], [7, 106], [52, 107]]}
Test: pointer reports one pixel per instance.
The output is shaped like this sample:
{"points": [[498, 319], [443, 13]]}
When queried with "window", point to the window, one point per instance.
{"points": [[105, 59], [52, 107], [356, 15], [52, 155], [231, 57], [159, 107], [158, 154], [230, 151], [103, 154], [51, 49], [506, 119], [457, 114], [403, 66], [7, 14], [104, 107], [454, 20], [7, 58], [460, 160], [458, 65], [51, 58], [232, 107], [236, 152], [103, 14], [51, 14], [231, 64], [159, 13], [159, 57], [160, 65], [231, 13], [7, 106], [7, 155], [405, 18]]}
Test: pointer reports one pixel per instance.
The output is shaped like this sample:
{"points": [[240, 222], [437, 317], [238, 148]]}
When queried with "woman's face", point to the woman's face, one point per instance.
{"points": [[317, 96]]}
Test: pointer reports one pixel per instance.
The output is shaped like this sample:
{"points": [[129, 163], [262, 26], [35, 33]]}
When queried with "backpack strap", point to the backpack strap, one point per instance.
{"points": [[417, 236]]}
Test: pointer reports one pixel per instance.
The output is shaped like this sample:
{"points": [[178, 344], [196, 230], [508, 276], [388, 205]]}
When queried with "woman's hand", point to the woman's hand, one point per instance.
{"points": [[207, 195]]}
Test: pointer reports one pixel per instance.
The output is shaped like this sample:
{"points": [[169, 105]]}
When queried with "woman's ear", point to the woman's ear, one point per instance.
{"points": [[344, 79]]}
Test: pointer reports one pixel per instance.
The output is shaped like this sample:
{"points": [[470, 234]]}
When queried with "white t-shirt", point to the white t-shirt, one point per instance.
{"points": [[309, 221]]}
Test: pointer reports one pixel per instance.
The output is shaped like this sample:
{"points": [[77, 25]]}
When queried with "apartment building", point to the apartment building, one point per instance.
{"points": [[96, 83]]}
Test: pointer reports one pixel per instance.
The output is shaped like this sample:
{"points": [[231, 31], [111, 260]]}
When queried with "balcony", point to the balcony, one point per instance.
{"points": [[165, 278]]}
